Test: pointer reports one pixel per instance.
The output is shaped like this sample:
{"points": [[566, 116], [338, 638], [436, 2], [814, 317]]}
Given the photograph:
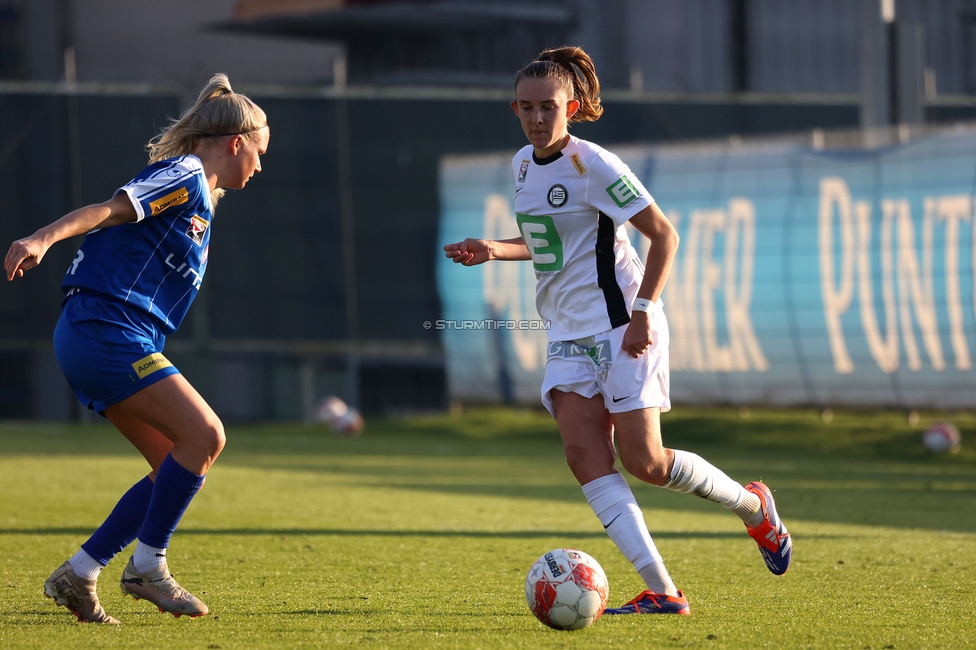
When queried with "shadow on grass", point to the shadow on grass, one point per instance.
{"points": [[316, 612], [868, 492], [499, 432], [865, 468], [338, 532], [371, 613]]}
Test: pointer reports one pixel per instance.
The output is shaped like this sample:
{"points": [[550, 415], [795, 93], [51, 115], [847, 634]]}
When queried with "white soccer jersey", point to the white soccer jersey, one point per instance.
{"points": [[571, 209]]}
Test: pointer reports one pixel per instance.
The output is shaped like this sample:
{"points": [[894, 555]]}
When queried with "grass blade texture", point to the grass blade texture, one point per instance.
{"points": [[419, 534]]}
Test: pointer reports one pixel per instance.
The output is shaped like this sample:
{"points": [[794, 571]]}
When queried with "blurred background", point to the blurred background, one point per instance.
{"points": [[391, 134]]}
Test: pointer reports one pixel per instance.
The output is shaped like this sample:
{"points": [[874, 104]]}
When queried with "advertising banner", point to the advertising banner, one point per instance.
{"points": [[803, 277]]}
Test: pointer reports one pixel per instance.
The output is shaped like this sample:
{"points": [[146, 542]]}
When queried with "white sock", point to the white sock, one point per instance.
{"points": [[615, 506], [85, 566], [657, 579], [692, 474], [148, 558]]}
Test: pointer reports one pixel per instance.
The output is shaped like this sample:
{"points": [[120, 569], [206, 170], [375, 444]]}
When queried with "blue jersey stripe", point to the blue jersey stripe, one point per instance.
{"points": [[149, 259], [156, 192], [178, 302]]}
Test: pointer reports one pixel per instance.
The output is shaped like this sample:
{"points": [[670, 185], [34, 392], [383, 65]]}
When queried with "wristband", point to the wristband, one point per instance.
{"points": [[642, 304]]}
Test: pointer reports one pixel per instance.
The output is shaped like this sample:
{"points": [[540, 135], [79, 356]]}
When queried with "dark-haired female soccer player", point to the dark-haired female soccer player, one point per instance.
{"points": [[129, 286], [607, 370]]}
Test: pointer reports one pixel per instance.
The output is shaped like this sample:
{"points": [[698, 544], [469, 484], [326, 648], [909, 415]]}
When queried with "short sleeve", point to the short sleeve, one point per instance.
{"points": [[156, 191], [614, 190]]}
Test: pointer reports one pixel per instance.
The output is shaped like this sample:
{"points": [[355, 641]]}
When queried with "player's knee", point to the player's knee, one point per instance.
{"points": [[651, 469], [219, 437], [575, 458], [583, 460], [213, 438]]}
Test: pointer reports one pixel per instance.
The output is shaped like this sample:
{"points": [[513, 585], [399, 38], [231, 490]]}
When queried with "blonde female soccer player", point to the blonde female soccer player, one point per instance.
{"points": [[129, 286], [607, 373]]}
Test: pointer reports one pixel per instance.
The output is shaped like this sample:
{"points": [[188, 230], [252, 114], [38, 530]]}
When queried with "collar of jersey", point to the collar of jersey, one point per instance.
{"points": [[548, 159], [193, 162]]}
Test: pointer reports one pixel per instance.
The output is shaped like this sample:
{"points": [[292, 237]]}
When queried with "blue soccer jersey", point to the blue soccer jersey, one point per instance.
{"points": [[156, 263]]}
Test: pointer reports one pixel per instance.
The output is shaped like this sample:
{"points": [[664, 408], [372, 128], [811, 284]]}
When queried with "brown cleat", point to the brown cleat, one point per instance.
{"points": [[77, 594], [159, 588]]}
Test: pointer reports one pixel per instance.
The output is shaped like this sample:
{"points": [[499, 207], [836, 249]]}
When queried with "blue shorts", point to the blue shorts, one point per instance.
{"points": [[107, 350]]}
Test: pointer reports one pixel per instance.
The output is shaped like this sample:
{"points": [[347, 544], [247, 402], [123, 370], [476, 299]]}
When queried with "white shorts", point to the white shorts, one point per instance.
{"points": [[598, 365]]}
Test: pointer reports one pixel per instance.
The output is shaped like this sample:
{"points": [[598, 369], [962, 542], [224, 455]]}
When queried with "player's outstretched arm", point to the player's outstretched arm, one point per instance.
{"points": [[478, 251], [27, 253]]}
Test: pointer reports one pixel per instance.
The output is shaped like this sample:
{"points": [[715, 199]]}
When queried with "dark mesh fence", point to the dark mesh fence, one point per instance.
{"points": [[272, 331], [55, 151]]}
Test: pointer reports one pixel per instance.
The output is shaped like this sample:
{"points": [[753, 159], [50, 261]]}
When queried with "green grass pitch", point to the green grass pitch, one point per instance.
{"points": [[419, 534]]}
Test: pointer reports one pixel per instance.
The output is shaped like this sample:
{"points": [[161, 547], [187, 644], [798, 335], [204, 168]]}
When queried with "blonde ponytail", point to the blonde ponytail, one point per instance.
{"points": [[217, 111]]}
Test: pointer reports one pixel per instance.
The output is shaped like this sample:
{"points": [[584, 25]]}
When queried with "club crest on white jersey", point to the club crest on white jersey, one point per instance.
{"points": [[570, 209]]}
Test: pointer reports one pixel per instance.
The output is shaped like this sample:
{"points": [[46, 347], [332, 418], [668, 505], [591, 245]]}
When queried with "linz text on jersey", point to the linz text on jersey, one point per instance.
{"points": [[197, 279]]}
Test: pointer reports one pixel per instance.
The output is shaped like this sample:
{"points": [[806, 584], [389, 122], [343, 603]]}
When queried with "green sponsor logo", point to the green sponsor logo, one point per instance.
{"points": [[594, 354], [623, 191], [545, 246]]}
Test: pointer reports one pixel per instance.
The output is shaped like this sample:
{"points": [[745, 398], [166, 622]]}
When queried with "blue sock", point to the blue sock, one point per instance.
{"points": [[174, 489], [122, 525]]}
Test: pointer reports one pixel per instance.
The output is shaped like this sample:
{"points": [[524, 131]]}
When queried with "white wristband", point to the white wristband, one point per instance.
{"points": [[642, 304]]}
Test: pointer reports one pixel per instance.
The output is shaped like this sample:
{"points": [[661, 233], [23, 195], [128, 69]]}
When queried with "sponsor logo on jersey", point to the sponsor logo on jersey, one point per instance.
{"points": [[173, 198], [577, 164], [205, 256], [623, 191], [148, 365], [523, 170], [557, 196], [198, 226], [185, 270], [541, 238]]}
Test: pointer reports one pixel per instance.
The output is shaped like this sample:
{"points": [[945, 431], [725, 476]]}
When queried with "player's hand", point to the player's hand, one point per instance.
{"points": [[24, 254], [468, 252], [638, 337]]}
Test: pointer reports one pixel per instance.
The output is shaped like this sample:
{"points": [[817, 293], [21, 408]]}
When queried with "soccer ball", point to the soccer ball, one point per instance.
{"points": [[942, 437], [567, 589], [343, 419]]}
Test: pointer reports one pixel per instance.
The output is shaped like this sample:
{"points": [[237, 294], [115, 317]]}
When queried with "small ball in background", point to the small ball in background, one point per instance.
{"points": [[942, 437], [341, 418]]}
